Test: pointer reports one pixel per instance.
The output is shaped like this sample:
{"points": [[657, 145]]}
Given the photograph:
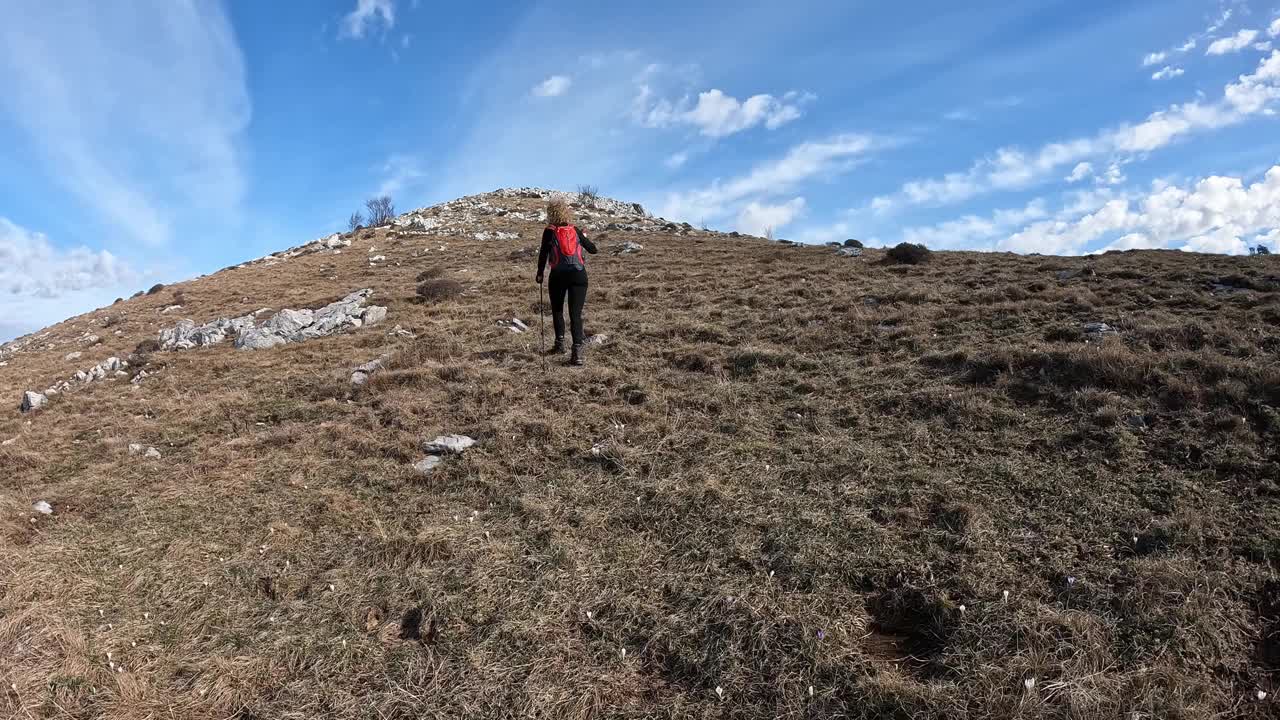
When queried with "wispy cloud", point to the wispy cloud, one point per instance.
{"points": [[137, 110], [1234, 43], [368, 15], [400, 172], [1012, 168], [677, 160], [716, 114], [1167, 72], [1154, 58], [823, 159], [554, 86], [757, 218]]}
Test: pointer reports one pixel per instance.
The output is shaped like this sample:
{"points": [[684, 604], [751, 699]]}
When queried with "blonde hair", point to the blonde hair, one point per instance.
{"points": [[559, 213]]}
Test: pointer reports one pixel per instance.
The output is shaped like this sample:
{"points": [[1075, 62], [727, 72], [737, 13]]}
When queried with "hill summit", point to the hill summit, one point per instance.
{"points": [[342, 480]]}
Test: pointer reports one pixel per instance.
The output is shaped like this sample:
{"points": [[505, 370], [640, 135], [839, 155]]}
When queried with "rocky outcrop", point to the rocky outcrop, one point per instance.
{"points": [[286, 326]]}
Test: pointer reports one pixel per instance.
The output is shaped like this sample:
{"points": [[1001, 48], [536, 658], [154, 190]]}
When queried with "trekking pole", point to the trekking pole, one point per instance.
{"points": [[542, 328]]}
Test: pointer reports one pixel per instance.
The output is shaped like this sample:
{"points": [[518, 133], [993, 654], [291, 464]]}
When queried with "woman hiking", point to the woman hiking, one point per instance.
{"points": [[562, 245]]}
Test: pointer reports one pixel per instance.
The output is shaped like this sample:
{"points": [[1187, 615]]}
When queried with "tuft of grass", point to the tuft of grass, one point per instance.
{"points": [[439, 290]]}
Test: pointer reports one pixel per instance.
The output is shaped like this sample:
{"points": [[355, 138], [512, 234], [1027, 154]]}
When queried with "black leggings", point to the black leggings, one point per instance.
{"points": [[573, 284]]}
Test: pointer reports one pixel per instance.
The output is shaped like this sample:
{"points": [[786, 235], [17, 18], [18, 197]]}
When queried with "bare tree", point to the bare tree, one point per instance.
{"points": [[768, 233], [588, 194], [355, 221], [381, 211]]}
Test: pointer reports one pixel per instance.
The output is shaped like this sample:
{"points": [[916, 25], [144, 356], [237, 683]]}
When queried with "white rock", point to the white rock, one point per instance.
{"points": [[426, 465], [169, 309], [73, 356], [135, 449], [42, 507], [374, 315], [151, 454], [258, 339], [32, 401], [377, 259], [448, 444], [597, 340]]}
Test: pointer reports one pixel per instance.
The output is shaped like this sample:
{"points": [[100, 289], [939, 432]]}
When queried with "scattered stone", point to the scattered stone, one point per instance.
{"points": [[445, 444], [42, 507], [73, 356], [91, 339], [515, 325], [849, 252], [377, 259], [628, 248], [135, 449], [1098, 329], [427, 464], [597, 340], [32, 401], [171, 308], [398, 331], [151, 454], [361, 375]]}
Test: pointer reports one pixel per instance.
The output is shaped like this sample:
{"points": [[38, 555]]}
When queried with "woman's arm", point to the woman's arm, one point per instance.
{"points": [[590, 246], [548, 237]]}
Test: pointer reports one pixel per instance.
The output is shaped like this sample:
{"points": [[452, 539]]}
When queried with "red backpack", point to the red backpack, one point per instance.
{"points": [[566, 254]]}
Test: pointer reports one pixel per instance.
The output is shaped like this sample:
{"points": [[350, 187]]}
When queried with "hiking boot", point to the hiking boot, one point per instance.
{"points": [[558, 348], [576, 358]]}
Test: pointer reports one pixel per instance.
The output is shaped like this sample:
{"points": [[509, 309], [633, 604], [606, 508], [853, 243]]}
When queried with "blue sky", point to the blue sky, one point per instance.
{"points": [[155, 140]]}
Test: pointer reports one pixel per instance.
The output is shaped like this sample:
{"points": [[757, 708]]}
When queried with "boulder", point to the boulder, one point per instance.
{"points": [[258, 339], [849, 252], [445, 444], [1098, 329], [628, 248], [853, 243], [287, 322], [32, 401], [374, 315]]}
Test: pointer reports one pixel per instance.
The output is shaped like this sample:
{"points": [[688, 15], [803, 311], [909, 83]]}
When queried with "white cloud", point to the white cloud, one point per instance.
{"points": [[1187, 46], [1166, 72], [366, 16], [1154, 58], [1080, 172], [716, 114], [1234, 43], [31, 266], [1214, 215], [136, 110], [759, 218], [1217, 24], [1113, 176], [1012, 168], [1274, 29], [554, 86], [803, 162], [1262, 46], [676, 160]]}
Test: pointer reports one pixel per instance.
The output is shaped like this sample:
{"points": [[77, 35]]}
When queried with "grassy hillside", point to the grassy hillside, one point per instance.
{"points": [[790, 484]]}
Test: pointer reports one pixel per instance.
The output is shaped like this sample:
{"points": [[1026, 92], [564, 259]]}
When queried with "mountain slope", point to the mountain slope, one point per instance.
{"points": [[788, 484]]}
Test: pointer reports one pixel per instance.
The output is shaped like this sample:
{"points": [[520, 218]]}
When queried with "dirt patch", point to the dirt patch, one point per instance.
{"points": [[908, 630]]}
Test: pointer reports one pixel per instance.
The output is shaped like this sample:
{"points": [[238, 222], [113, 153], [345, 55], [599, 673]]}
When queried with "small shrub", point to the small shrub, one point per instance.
{"points": [[179, 298], [909, 253], [147, 346], [853, 243], [355, 222], [439, 289], [588, 194], [430, 273], [155, 288], [381, 211]]}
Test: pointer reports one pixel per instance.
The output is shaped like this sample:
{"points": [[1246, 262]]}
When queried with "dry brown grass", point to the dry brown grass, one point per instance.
{"points": [[798, 480]]}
